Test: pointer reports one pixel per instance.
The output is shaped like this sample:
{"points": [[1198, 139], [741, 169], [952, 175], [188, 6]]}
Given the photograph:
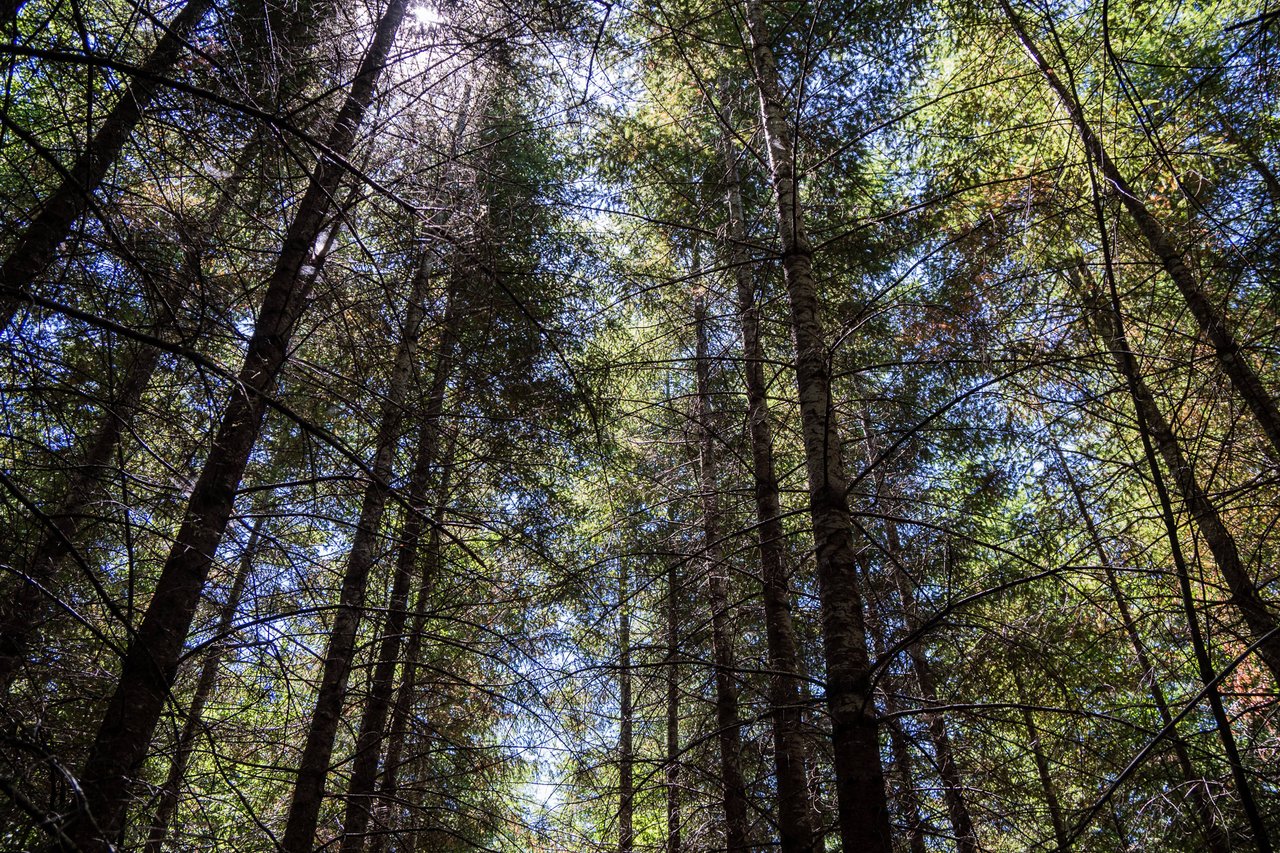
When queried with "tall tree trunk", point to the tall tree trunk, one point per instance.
{"points": [[398, 729], [952, 784], [1156, 433], [171, 790], [626, 748], [727, 720], [1042, 767], [24, 613], [1215, 838], [900, 748], [672, 768], [150, 664], [796, 830], [1204, 513], [1232, 360], [313, 768], [864, 811], [364, 771], [38, 243]]}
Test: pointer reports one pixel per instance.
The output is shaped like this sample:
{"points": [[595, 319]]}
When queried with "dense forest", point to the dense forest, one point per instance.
{"points": [[668, 425]]}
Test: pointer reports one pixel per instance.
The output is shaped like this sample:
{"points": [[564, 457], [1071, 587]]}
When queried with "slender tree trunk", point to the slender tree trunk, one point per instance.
{"points": [[364, 772], [388, 791], [626, 748], [171, 791], [901, 751], [124, 735], [1156, 433], [952, 784], [1042, 767], [38, 243], [1244, 593], [796, 830], [864, 811], [730, 726], [24, 613], [313, 768], [1232, 360], [1215, 838], [672, 769]]}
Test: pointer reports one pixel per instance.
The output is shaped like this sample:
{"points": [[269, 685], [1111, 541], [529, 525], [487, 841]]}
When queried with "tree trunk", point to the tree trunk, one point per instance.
{"points": [[901, 750], [313, 768], [626, 748], [25, 612], [1232, 360], [864, 811], [728, 723], [170, 792], [1042, 767], [364, 771], [1156, 433], [397, 731], [952, 784], [672, 769], [1215, 838], [38, 243], [796, 830], [150, 664], [1244, 594]]}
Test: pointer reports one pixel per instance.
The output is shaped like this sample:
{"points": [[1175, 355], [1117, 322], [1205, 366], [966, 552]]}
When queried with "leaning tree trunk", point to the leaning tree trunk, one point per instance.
{"points": [[150, 664], [1042, 767], [364, 771], [24, 614], [734, 790], [48, 228], [1245, 597], [796, 830], [1232, 360], [171, 790], [313, 768], [864, 811], [944, 754], [1155, 433], [1215, 838]]}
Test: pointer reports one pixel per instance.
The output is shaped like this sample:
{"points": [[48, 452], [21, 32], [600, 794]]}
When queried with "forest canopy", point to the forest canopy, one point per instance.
{"points": [[666, 425]]}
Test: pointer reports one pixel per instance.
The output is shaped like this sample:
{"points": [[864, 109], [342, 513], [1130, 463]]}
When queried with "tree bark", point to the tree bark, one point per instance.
{"points": [[672, 768], [124, 735], [1156, 433], [626, 748], [398, 729], [313, 768], [1232, 360], [171, 790], [364, 771], [734, 790], [1215, 838], [1245, 597], [1042, 768], [24, 613], [952, 784], [38, 243], [796, 830], [864, 812]]}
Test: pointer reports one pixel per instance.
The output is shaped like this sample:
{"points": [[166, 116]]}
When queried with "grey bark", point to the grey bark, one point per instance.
{"points": [[729, 725], [120, 745], [796, 830], [863, 808]]}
